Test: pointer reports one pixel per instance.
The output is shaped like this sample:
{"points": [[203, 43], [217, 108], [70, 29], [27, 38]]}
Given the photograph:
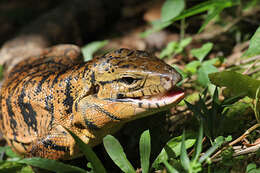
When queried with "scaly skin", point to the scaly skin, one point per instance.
{"points": [[56, 89]]}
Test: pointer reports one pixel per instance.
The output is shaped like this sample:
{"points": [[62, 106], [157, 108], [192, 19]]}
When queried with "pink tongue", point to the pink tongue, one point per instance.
{"points": [[173, 96], [174, 92]]}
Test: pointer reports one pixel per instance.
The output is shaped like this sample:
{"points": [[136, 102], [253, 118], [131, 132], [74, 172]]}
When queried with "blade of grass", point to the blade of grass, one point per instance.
{"points": [[51, 165], [217, 10], [199, 142], [233, 99], [218, 142], [145, 150], [89, 154], [169, 167], [256, 106], [185, 161], [116, 153], [202, 7]]}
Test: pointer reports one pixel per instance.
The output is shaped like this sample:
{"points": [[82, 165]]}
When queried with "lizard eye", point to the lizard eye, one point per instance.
{"points": [[128, 80]]}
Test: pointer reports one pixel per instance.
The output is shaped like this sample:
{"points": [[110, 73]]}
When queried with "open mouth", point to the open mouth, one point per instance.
{"points": [[170, 97]]}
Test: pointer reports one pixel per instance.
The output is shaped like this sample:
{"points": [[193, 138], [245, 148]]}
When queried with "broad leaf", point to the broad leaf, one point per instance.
{"points": [[192, 66], [237, 83], [172, 150], [171, 9], [145, 151], [202, 52], [183, 43], [116, 153], [254, 46], [203, 73], [169, 50]]}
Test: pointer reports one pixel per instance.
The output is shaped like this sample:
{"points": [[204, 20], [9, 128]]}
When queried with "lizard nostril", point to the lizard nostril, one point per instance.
{"points": [[167, 79], [166, 82]]}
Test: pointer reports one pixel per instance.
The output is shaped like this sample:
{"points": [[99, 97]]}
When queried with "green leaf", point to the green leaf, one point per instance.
{"points": [[172, 150], [91, 48], [192, 66], [204, 6], [183, 74], [199, 142], [175, 47], [145, 150], [116, 153], [89, 154], [156, 26], [169, 167], [217, 143], [51, 165], [27, 169], [254, 46], [256, 105], [203, 73], [10, 166], [185, 161], [1, 72], [250, 167], [202, 52], [212, 14], [200, 8], [210, 61], [169, 50], [171, 9], [232, 80], [9, 152], [183, 43]]}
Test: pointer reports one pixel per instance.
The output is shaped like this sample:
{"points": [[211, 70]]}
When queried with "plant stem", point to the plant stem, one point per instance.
{"points": [[182, 34], [237, 140]]}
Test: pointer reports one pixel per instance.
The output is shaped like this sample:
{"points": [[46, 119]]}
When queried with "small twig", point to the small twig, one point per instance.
{"points": [[245, 134], [183, 26], [250, 59], [245, 151], [192, 151], [237, 140], [254, 71], [249, 68], [248, 65]]}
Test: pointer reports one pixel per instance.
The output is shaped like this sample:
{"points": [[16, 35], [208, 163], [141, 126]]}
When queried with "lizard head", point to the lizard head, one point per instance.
{"points": [[133, 83]]}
